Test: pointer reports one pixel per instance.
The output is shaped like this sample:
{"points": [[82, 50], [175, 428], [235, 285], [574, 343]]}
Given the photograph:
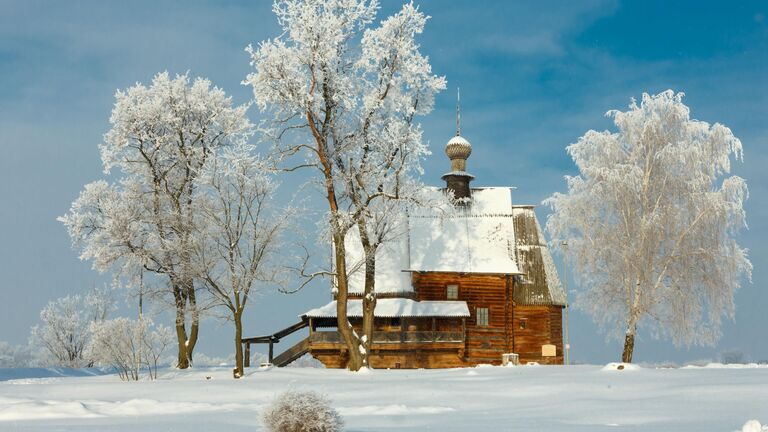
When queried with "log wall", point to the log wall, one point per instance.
{"points": [[399, 359], [504, 333], [512, 328], [485, 344], [543, 325]]}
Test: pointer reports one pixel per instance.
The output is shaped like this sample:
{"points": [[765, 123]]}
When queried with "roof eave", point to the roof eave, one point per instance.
{"points": [[464, 272]]}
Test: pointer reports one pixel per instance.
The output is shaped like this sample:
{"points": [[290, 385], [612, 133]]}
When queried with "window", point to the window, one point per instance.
{"points": [[482, 317], [452, 292], [522, 323], [395, 322], [522, 279]]}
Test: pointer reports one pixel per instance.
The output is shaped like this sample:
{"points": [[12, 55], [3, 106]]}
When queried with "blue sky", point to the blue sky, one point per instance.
{"points": [[534, 77]]}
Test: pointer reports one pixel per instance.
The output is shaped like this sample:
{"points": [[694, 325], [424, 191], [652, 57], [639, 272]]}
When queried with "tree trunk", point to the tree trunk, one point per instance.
{"points": [[629, 347], [369, 291], [634, 312], [195, 325], [338, 233], [239, 367], [181, 331], [344, 327], [369, 306], [184, 295]]}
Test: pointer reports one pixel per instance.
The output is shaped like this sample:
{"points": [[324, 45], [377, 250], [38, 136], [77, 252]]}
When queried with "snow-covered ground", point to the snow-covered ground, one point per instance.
{"points": [[525, 398]]}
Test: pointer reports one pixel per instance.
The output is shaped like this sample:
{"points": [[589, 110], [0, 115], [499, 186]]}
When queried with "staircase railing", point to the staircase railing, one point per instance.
{"points": [[292, 353], [271, 340]]}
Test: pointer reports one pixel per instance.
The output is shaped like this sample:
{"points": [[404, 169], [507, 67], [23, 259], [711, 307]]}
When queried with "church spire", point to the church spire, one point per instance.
{"points": [[458, 111], [458, 150]]}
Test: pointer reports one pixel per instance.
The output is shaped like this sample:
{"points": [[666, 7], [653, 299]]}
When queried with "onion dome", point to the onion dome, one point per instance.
{"points": [[458, 150]]}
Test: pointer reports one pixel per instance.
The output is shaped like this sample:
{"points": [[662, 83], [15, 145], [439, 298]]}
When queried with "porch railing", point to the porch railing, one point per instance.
{"points": [[382, 337]]}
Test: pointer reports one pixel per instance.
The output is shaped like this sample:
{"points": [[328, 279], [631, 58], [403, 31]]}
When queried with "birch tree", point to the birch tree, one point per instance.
{"points": [[652, 220], [344, 94], [161, 137], [240, 233]]}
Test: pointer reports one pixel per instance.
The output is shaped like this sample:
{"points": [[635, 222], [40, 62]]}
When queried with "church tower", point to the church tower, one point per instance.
{"points": [[458, 150]]}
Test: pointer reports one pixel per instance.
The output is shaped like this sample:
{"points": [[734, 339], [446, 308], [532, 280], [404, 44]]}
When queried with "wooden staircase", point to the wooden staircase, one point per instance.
{"points": [[292, 354]]}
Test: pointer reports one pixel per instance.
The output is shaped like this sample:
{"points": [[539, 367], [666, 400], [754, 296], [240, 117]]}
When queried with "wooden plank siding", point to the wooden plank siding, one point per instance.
{"points": [[521, 329], [397, 358], [486, 344], [543, 325]]}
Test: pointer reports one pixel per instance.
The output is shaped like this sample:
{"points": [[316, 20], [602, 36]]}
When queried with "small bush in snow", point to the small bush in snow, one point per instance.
{"points": [[129, 345], [302, 412]]}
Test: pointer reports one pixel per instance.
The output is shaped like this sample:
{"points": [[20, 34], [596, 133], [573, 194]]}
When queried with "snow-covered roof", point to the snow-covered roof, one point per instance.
{"points": [[479, 238], [391, 260], [396, 307], [476, 239], [491, 200], [462, 244]]}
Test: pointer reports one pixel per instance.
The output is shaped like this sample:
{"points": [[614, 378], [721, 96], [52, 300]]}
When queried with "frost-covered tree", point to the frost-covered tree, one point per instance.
{"points": [[384, 221], [344, 94], [161, 137], [652, 222], [65, 329], [155, 340], [240, 230], [129, 345], [7, 355], [12, 356]]}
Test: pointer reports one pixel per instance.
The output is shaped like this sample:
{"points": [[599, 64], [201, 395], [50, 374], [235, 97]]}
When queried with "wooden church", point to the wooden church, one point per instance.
{"points": [[456, 290]]}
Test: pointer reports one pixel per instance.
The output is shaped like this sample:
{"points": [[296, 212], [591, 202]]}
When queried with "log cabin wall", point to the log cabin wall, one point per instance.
{"points": [[535, 326], [393, 355], [396, 358], [484, 344], [512, 327]]}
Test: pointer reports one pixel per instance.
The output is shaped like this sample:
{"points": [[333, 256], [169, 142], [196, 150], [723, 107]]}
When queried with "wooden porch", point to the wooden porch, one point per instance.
{"points": [[320, 338], [395, 349], [329, 343]]}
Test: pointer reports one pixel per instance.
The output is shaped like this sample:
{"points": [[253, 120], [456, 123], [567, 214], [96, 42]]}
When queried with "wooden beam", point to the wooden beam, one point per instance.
{"points": [[434, 330], [464, 336], [247, 355], [507, 315]]}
